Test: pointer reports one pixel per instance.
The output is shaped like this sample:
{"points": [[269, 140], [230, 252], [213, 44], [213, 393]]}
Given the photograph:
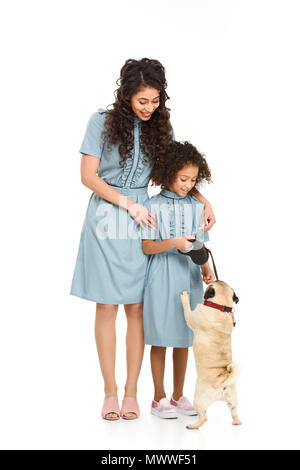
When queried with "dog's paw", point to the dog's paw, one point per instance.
{"points": [[196, 425], [190, 426], [236, 422], [184, 294]]}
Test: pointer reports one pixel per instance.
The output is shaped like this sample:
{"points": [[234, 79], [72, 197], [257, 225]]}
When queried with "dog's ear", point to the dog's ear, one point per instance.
{"points": [[235, 298], [209, 293]]}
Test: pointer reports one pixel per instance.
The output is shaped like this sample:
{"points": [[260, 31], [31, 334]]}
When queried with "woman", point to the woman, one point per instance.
{"points": [[119, 150]]}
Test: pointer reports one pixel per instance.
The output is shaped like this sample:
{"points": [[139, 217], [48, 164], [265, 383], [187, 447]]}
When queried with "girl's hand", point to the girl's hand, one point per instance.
{"points": [[182, 243], [207, 273], [142, 216], [209, 216]]}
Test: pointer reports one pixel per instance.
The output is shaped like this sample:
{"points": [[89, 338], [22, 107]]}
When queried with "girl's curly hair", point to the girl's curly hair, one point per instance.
{"points": [[177, 156], [156, 133]]}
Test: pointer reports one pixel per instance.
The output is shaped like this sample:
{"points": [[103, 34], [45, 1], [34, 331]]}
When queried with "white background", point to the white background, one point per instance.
{"points": [[233, 74]]}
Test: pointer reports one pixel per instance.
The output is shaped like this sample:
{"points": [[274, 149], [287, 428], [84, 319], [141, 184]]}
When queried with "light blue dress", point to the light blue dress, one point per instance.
{"points": [[169, 272], [111, 265]]}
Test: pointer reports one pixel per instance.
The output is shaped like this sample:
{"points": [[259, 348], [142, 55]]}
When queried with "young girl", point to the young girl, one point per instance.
{"points": [[179, 217]]}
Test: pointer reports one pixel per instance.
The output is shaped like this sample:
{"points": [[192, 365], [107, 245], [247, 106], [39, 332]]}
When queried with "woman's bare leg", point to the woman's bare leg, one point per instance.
{"points": [[158, 357], [105, 335], [134, 347], [180, 358]]}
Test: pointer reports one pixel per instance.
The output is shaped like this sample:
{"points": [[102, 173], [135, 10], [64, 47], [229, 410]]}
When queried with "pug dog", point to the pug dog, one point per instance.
{"points": [[212, 327]]}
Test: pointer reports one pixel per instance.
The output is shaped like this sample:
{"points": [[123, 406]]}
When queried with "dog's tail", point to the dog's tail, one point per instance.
{"points": [[234, 371]]}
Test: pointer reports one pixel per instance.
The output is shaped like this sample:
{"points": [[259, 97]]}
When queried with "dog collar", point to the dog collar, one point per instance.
{"points": [[223, 308], [218, 306]]}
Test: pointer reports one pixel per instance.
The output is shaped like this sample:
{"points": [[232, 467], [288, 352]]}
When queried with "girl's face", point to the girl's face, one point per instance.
{"points": [[145, 102], [184, 180]]}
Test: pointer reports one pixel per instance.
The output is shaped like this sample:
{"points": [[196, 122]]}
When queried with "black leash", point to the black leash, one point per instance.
{"points": [[213, 262]]}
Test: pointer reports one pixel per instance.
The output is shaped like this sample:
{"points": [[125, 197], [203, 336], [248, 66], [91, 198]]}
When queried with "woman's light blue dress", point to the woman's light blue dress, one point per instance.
{"points": [[111, 265], [169, 272]]}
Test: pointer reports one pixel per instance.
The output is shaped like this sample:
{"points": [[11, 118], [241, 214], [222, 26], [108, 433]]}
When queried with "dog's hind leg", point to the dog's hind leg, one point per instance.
{"points": [[204, 396], [230, 396], [202, 419]]}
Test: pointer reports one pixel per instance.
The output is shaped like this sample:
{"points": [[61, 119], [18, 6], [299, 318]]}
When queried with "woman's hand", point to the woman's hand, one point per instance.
{"points": [[182, 243], [208, 217], [142, 216]]}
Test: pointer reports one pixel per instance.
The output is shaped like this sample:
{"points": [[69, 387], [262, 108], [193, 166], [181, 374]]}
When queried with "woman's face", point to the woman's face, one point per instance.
{"points": [[145, 102], [185, 180]]}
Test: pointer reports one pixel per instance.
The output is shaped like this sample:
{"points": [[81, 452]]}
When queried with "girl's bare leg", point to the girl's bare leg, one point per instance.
{"points": [[105, 335], [180, 358], [158, 356], [134, 347]]}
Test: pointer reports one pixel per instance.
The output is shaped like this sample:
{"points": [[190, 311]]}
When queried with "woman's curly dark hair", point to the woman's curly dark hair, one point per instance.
{"points": [[156, 133], [177, 156]]}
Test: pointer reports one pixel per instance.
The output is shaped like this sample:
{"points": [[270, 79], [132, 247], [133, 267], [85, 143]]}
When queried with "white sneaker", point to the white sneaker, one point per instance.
{"points": [[163, 409]]}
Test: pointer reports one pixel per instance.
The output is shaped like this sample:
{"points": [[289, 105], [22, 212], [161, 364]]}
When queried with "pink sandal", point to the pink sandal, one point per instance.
{"points": [[130, 405], [110, 405]]}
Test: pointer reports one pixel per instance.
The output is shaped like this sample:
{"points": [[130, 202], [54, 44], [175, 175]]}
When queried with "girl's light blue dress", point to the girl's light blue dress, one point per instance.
{"points": [[169, 272], [111, 265]]}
